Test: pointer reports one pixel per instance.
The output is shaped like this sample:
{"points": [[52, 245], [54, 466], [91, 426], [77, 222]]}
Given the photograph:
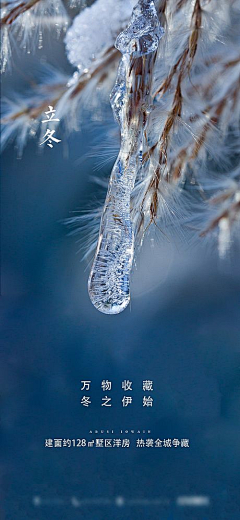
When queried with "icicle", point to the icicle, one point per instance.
{"points": [[131, 100], [5, 49]]}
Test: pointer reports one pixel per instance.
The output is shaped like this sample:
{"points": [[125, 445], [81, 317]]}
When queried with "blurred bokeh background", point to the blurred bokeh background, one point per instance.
{"points": [[181, 331]]}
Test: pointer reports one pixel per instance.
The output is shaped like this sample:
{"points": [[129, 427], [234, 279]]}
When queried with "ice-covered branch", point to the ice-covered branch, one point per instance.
{"points": [[131, 101]]}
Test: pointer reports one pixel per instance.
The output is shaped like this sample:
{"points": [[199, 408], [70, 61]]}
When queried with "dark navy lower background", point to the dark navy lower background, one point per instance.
{"points": [[182, 332]]}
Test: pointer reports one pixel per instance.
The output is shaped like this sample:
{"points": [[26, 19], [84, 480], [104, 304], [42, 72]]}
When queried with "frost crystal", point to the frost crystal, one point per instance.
{"points": [[131, 99]]}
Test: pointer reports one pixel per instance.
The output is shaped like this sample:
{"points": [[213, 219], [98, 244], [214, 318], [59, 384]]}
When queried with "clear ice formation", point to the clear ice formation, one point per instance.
{"points": [[131, 100]]}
